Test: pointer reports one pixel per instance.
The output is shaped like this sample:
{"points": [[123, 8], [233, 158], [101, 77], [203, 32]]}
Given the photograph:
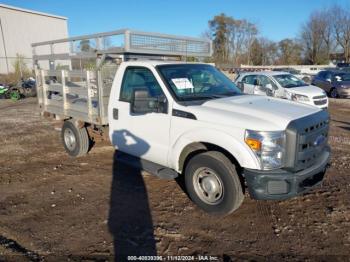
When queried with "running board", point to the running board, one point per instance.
{"points": [[151, 167]]}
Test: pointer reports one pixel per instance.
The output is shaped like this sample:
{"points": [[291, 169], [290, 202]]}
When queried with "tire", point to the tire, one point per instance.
{"points": [[215, 169], [306, 79], [15, 95], [75, 140], [28, 92], [333, 93]]}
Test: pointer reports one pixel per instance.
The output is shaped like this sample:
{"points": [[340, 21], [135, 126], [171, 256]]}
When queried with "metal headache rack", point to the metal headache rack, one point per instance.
{"points": [[75, 75]]}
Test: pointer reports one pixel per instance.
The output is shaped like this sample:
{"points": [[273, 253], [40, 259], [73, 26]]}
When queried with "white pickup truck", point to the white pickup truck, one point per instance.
{"points": [[175, 118]]}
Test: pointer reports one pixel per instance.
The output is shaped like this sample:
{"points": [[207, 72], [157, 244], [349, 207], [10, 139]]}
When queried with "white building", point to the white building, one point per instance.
{"points": [[19, 28]]}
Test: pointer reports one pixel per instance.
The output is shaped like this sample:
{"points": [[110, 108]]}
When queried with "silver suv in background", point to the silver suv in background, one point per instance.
{"points": [[282, 85], [335, 83]]}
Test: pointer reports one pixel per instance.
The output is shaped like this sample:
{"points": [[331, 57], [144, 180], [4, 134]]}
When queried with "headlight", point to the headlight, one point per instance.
{"points": [[268, 146], [300, 98]]}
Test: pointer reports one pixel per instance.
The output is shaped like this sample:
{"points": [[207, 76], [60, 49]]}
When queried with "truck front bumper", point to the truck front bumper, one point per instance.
{"points": [[281, 184]]}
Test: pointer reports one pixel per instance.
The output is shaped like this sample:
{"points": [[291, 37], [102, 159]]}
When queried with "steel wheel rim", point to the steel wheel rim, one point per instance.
{"points": [[69, 139], [208, 186]]}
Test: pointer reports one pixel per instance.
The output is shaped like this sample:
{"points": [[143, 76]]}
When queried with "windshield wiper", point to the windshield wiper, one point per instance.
{"points": [[201, 96], [208, 96], [227, 94]]}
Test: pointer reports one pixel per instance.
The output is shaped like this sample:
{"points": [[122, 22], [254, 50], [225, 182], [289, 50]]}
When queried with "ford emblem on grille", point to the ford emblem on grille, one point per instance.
{"points": [[319, 140]]}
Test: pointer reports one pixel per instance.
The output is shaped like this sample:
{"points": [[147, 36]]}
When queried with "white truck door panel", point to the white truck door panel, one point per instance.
{"points": [[143, 135]]}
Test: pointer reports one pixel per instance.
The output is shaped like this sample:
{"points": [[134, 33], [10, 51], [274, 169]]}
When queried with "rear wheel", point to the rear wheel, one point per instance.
{"points": [[213, 183], [306, 79], [75, 140], [29, 92]]}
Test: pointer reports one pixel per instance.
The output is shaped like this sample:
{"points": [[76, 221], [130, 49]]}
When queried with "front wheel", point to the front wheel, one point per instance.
{"points": [[213, 183], [333, 93], [75, 140]]}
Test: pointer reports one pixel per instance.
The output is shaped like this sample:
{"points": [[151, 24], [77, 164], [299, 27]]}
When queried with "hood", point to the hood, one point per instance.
{"points": [[308, 90], [252, 112]]}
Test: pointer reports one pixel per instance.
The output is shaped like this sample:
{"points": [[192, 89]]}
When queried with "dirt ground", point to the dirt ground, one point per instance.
{"points": [[57, 208]]}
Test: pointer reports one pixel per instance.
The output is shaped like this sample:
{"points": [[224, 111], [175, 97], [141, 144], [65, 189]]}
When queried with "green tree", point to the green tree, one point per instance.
{"points": [[290, 52], [85, 45], [256, 52], [232, 39], [219, 28]]}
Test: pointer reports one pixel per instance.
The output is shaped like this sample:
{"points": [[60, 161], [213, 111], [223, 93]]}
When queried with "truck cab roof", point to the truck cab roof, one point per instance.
{"points": [[155, 63]]}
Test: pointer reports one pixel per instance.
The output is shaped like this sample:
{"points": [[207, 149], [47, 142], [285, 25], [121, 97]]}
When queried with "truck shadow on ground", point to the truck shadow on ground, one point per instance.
{"points": [[347, 127], [130, 221]]}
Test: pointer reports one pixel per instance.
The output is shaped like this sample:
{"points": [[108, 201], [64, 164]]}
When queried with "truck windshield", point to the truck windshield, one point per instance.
{"points": [[197, 82], [289, 81]]}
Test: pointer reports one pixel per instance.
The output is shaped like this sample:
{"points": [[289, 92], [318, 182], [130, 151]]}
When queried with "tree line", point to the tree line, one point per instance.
{"points": [[325, 33]]}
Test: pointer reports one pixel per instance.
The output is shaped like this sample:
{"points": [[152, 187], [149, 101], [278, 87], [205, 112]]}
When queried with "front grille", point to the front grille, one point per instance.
{"points": [[319, 97], [320, 102], [306, 139], [308, 150]]}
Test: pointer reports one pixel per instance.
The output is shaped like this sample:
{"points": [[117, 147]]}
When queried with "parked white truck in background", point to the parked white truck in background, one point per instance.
{"points": [[174, 118]]}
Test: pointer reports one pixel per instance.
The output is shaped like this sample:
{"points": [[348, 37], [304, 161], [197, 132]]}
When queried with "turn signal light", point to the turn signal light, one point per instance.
{"points": [[253, 143]]}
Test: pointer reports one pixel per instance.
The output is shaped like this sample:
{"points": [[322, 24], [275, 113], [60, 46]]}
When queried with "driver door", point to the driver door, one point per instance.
{"points": [[143, 135], [267, 86], [248, 84], [264, 86], [327, 82]]}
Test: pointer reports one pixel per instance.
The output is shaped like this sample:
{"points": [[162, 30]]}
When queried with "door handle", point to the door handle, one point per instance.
{"points": [[115, 113]]}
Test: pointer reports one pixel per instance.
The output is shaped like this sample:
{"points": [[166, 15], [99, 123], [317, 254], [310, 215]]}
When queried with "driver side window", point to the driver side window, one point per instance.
{"points": [[321, 75], [264, 80], [139, 78], [249, 79], [328, 76]]}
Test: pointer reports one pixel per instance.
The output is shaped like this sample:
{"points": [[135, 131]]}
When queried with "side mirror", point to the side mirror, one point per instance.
{"points": [[269, 90], [328, 80], [338, 78], [269, 87], [240, 85], [143, 103]]}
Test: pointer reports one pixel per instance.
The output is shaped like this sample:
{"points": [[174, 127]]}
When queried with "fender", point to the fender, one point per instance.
{"points": [[241, 152]]}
